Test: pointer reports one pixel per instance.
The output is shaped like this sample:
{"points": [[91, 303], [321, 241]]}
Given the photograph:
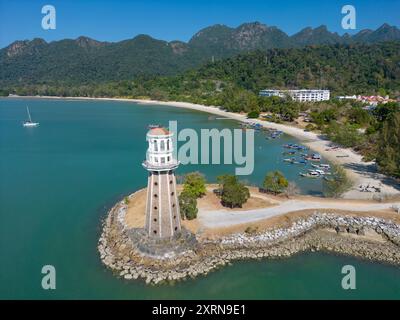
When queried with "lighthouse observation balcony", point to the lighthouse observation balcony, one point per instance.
{"points": [[172, 165]]}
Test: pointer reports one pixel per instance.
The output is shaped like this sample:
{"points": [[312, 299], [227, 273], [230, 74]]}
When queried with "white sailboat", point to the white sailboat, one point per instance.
{"points": [[30, 123]]}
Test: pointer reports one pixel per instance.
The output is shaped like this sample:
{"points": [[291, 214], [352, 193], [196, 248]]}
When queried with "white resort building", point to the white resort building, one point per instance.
{"points": [[302, 95]]}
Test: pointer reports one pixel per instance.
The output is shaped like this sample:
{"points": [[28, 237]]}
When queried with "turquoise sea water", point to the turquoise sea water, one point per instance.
{"points": [[58, 180]]}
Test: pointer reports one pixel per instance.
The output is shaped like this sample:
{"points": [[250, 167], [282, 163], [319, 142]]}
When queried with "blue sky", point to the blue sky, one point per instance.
{"points": [[116, 20]]}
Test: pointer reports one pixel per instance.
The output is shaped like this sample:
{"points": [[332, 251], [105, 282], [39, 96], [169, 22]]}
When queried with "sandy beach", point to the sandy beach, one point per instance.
{"points": [[362, 173]]}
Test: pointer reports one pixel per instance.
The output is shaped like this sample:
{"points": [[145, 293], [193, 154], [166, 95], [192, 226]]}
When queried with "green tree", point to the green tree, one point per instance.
{"points": [[275, 182], [233, 193], [253, 114], [388, 156], [337, 184], [344, 134], [309, 127], [194, 184], [325, 116], [188, 205], [385, 110], [289, 110], [357, 115]]}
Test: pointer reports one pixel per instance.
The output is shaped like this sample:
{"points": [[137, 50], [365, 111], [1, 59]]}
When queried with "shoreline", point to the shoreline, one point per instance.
{"points": [[369, 238], [359, 171]]}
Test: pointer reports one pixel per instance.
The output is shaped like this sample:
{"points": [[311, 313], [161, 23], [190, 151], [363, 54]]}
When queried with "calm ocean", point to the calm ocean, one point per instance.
{"points": [[58, 180]]}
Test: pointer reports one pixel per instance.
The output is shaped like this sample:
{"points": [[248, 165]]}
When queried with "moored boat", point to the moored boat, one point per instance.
{"points": [[29, 123], [311, 174]]}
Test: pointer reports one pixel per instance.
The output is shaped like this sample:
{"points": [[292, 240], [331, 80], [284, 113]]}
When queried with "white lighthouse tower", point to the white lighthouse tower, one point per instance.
{"points": [[162, 206]]}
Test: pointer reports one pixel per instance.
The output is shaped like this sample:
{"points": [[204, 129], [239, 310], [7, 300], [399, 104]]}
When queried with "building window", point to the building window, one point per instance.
{"points": [[173, 205], [170, 181], [155, 219], [172, 193], [162, 145], [155, 183], [155, 195], [162, 160], [168, 145], [155, 208], [176, 228], [155, 231], [155, 145]]}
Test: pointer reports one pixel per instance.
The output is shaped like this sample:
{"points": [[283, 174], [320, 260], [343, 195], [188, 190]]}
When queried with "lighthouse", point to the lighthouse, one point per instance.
{"points": [[162, 206]]}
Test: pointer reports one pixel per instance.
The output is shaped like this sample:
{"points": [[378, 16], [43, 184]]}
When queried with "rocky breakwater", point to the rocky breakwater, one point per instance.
{"points": [[369, 238], [129, 256], [366, 237]]}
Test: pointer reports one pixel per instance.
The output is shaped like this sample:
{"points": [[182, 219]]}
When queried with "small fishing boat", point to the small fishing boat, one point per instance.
{"points": [[289, 152], [324, 166], [276, 134], [291, 160], [311, 174], [319, 171], [313, 157], [302, 148], [29, 123], [290, 146]]}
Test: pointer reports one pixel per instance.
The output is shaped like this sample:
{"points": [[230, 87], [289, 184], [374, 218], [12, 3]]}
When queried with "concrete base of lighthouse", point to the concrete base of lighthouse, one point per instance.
{"points": [[163, 248]]}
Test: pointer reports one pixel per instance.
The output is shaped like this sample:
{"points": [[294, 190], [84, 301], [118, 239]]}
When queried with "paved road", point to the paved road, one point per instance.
{"points": [[225, 218]]}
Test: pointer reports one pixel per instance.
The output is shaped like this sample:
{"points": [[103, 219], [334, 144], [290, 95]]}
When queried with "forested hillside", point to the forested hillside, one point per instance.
{"points": [[84, 61], [344, 69]]}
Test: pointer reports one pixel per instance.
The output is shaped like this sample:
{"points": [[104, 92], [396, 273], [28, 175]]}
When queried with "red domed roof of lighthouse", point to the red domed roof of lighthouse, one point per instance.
{"points": [[159, 132]]}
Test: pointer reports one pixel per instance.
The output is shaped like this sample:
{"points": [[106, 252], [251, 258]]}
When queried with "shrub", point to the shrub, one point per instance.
{"points": [[188, 206], [194, 184], [253, 114], [275, 182], [233, 193], [310, 127], [338, 184]]}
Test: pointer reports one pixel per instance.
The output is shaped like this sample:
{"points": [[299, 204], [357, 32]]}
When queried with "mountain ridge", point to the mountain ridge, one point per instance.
{"points": [[383, 28], [85, 59]]}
